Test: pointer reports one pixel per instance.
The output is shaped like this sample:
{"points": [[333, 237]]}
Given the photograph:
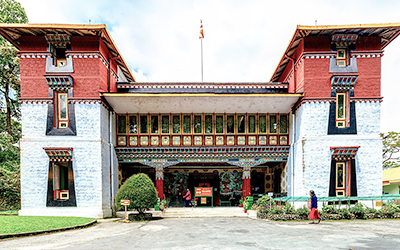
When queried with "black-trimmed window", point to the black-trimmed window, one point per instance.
{"points": [[342, 110], [61, 101]]}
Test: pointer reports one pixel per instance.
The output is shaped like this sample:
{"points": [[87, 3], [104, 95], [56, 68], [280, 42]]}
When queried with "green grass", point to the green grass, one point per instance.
{"points": [[9, 212], [23, 224]]}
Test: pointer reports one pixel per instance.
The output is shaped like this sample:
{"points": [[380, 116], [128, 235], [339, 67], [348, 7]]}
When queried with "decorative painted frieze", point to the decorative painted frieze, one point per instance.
{"points": [[59, 154], [344, 153]]}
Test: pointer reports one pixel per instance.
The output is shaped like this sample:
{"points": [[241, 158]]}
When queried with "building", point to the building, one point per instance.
{"points": [[391, 180], [88, 125]]}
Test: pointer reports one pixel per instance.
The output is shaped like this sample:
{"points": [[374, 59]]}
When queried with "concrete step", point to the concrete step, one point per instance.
{"points": [[174, 212]]}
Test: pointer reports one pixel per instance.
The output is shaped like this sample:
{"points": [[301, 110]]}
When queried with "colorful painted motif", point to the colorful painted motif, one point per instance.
{"points": [[198, 140], [246, 172], [159, 173], [262, 140], [209, 141], [241, 140], [230, 183], [175, 183], [121, 140], [187, 140], [230, 140], [154, 141], [273, 140], [251, 140], [176, 140], [219, 140], [144, 140], [283, 140], [133, 141], [165, 140]]}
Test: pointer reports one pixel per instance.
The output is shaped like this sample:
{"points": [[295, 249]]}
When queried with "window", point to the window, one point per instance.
{"points": [[176, 124], [197, 124], [58, 54], [252, 124], [342, 179], [262, 124], [61, 110], [219, 124], [132, 124], [342, 57], [272, 124], [187, 128], [208, 126], [165, 124], [342, 110], [154, 124], [230, 124], [121, 124], [241, 124], [60, 181], [143, 124], [283, 122]]}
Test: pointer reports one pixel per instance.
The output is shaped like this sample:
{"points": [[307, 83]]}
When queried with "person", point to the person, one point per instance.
{"points": [[188, 197], [314, 215]]}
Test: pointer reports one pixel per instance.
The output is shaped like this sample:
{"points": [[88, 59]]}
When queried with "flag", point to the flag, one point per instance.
{"points": [[201, 36]]}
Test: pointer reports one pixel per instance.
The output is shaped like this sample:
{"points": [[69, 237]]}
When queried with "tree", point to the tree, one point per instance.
{"points": [[11, 11], [140, 190], [391, 149]]}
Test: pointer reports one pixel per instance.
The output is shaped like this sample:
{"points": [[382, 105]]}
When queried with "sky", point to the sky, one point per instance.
{"points": [[244, 39]]}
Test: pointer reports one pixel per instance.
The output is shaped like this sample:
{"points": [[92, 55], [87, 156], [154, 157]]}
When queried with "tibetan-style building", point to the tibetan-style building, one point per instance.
{"points": [[87, 125]]}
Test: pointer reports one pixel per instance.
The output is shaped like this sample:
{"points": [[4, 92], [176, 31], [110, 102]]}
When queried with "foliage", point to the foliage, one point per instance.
{"points": [[391, 149], [330, 209], [387, 210], [9, 174], [265, 201], [140, 190], [276, 210], [358, 210], [21, 224], [370, 210], [303, 211], [345, 213]]}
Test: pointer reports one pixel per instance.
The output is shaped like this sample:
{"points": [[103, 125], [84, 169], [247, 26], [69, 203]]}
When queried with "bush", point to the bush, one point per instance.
{"points": [[358, 210], [387, 210], [370, 210], [288, 209], [329, 209], [265, 201], [345, 213], [140, 190], [303, 211], [9, 189], [276, 210]]}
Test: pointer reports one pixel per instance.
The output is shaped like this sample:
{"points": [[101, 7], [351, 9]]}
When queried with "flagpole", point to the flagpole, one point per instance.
{"points": [[201, 59]]}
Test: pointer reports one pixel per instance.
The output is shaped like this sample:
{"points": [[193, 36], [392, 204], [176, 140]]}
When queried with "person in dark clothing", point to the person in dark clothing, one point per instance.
{"points": [[314, 215]]}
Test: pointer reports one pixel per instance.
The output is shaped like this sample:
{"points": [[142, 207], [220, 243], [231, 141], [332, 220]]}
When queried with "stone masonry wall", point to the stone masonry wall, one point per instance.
{"points": [[90, 160], [312, 149]]}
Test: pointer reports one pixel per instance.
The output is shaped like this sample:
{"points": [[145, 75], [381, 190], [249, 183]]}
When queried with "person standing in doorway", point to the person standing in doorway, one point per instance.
{"points": [[188, 198], [314, 215]]}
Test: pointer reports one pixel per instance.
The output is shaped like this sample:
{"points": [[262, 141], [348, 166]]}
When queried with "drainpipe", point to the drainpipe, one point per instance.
{"points": [[111, 163], [292, 151], [294, 76]]}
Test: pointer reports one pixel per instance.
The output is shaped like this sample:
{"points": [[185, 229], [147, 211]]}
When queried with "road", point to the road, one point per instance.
{"points": [[219, 233]]}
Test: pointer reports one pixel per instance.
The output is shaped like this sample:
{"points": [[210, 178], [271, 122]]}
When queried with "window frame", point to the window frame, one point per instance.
{"points": [[342, 122], [60, 120]]}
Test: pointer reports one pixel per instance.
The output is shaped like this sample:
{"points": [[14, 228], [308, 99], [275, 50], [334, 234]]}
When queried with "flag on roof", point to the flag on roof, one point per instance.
{"points": [[201, 36]]}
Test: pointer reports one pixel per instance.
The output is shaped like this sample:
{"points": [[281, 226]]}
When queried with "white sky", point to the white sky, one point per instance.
{"points": [[244, 39]]}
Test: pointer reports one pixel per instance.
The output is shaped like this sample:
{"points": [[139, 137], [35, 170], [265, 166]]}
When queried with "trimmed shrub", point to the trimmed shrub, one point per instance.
{"points": [[140, 190], [265, 201]]}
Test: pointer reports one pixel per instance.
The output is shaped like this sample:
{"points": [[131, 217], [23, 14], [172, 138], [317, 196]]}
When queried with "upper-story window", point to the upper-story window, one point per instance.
{"points": [[343, 44], [343, 57], [342, 110], [58, 45]]}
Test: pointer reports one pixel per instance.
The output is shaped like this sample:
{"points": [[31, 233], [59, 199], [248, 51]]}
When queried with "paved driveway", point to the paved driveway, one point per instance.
{"points": [[220, 233]]}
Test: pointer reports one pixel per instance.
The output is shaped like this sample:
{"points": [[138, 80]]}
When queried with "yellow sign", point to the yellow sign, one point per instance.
{"points": [[125, 202]]}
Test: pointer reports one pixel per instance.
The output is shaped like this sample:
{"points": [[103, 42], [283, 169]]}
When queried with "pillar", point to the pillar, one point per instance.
{"points": [[160, 182], [246, 181]]}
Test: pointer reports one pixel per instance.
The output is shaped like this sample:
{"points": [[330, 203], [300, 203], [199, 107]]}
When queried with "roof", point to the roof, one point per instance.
{"points": [[387, 32], [203, 87], [13, 32], [391, 175]]}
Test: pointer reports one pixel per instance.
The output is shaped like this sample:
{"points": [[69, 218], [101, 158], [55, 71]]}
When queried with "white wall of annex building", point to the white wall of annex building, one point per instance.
{"points": [[312, 155], [91, 161]]}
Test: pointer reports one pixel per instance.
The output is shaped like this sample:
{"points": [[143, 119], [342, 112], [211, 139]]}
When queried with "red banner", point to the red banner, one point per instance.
{"points": [[203, 192]]}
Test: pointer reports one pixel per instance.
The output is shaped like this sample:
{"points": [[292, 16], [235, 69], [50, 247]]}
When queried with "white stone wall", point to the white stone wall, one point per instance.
{"points": [[312, 156], [91, 161]]}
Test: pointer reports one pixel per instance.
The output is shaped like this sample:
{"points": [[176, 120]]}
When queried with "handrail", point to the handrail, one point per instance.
{"points": [[340, 199]]}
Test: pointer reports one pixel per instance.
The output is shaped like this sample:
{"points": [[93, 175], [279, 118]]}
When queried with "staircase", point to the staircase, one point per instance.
{"points": [[189, 212]]}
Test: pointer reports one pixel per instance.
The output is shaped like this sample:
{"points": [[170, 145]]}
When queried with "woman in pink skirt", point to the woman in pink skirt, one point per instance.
{"points": [[314, 215]]}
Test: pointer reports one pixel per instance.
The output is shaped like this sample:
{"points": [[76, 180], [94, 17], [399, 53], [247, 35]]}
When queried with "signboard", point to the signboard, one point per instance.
{"points": [[203, 200], [125, 202], [270, 194], [203, 191]]}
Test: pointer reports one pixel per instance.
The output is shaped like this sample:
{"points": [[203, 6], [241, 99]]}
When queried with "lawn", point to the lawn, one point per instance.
{"points": [[23, 224]]}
